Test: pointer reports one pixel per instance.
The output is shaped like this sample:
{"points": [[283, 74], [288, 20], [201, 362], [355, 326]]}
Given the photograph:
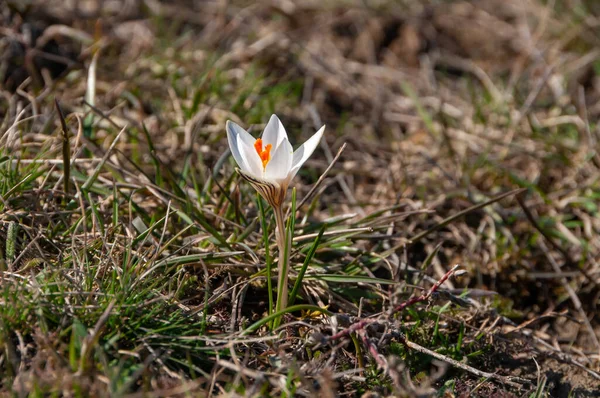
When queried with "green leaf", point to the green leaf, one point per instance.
{"points": [[350, 279]]}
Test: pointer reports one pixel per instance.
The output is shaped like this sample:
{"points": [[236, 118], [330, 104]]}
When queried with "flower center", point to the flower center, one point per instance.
{"points": [[265, 154]]}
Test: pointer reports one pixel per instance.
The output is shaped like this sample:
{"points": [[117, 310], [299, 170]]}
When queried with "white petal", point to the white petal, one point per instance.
{"points": [[243, 134], [303, 153], [279, 166], [274, 133], [251, 158], [234, 143], [241, 144]]}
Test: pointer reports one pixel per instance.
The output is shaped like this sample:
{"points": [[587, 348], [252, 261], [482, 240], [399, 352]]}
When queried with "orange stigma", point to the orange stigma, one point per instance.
{"points": [[265, 155]]}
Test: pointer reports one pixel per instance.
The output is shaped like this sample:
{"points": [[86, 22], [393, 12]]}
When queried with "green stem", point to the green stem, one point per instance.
{"points": [[283, 245], [268, 260]]}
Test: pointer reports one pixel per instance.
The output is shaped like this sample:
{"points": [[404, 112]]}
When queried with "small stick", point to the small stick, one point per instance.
{"points": [[353, 328], [373, 351], [425, 296], [508, 380]]}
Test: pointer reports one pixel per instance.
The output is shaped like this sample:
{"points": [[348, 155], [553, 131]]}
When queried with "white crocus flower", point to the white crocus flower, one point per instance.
{"points": [[269, 163]]}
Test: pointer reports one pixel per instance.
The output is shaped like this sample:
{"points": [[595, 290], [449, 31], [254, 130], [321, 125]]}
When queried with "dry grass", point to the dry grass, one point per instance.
{"points": [[134, 257]]}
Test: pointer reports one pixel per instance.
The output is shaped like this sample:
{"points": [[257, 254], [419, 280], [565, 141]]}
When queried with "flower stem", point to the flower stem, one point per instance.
{"points": [[268, 258], [283, 244]]}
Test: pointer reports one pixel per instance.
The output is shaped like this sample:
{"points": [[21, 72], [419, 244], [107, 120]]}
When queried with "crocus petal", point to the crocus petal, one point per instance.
{"points": [[233, 138], [274, 132], [303, 153], [241, 144], [239, 131], [251, 159], [279, 166]]}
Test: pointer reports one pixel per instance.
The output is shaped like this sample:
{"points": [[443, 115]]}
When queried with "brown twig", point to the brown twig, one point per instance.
{"points": [[508, 380], [425, 296], [380, 359]]}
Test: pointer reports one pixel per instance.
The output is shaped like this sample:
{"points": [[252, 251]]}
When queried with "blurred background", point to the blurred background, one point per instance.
{"points": [[442, 104]]}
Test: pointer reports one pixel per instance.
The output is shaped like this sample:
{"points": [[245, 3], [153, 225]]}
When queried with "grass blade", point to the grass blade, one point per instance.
{"points": [[90, 95], [351, 279], [307, 261], [268, 258], [66, 148]]}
